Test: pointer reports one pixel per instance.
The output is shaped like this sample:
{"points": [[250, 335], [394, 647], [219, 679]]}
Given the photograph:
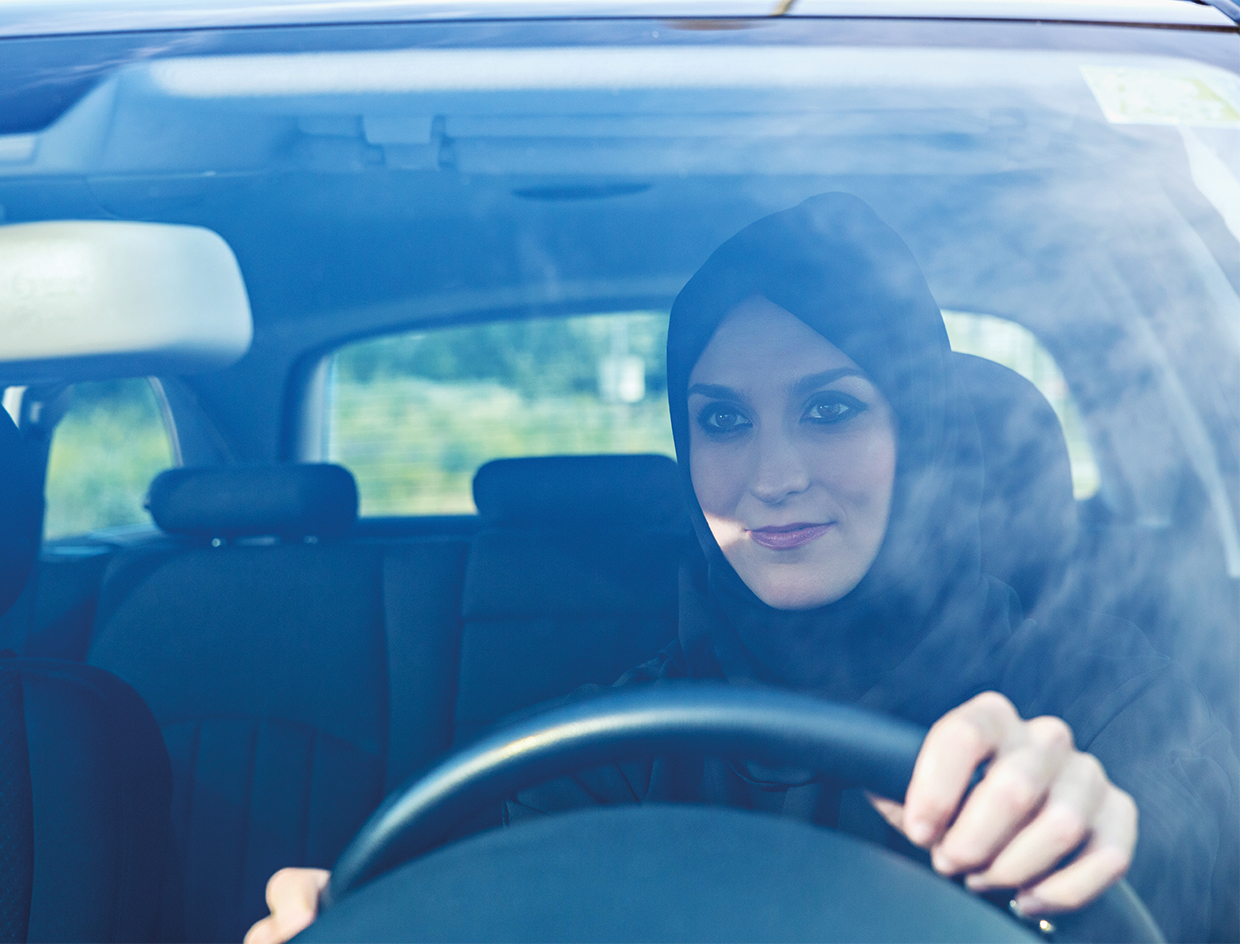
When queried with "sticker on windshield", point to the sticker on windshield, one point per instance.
{"points": [[1159, 97]]}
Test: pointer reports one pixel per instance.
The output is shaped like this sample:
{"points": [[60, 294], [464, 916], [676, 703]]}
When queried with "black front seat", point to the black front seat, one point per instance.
{"points": [[1028, 514], [85, 783]]}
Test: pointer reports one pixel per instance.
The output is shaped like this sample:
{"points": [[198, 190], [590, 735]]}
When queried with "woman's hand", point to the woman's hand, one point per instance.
{"points": [[293, 897], [1039, 800]]}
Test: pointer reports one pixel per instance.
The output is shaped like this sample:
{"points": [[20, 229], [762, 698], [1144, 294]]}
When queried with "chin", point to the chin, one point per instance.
{"points": [[787, 595]]}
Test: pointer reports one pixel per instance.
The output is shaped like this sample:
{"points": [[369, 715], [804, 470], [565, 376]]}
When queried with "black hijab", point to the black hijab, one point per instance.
{"points": [[923, 629]]}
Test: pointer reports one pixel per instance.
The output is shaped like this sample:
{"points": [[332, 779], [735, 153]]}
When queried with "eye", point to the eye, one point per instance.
{"points": [[721, 418], [832, 408]]}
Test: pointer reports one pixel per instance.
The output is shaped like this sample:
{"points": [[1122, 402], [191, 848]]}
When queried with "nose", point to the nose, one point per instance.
{"points": [[779, 470]]}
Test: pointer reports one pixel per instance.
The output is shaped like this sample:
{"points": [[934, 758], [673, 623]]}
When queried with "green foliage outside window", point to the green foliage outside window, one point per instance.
{"points": [[413, 416], [105, 452], [537, 357]]}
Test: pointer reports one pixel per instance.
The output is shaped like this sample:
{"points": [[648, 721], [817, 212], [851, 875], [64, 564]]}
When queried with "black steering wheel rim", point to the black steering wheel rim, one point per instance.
{"points": [[857, 747], [784, 729]]}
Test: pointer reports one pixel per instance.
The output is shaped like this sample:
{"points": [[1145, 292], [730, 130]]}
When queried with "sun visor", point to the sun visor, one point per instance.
{"points": [[83, 300]]}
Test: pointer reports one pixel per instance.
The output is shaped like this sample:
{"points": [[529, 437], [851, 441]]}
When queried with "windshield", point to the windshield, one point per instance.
{"points": [[462, 242]]}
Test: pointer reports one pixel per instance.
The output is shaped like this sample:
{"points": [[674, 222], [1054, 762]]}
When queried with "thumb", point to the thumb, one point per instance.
{"points": [[890, 810]]}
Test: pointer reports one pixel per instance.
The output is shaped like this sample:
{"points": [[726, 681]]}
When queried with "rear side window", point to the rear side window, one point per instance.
{"points": [[111, 442], [1015, 346], [414, 415]]}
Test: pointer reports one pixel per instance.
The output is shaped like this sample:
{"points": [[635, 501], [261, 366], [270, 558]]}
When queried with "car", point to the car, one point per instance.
{"points": [[435, 245]]}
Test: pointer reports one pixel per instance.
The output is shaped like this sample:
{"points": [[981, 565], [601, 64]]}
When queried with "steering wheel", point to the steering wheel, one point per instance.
{"points": [[665, 872]]}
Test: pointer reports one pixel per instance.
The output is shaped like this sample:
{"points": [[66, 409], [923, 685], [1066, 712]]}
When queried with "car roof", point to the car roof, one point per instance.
{"points": [[61, 17]]}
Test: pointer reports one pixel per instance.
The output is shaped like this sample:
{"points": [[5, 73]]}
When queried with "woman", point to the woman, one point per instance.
{"points": [[833, 478]]}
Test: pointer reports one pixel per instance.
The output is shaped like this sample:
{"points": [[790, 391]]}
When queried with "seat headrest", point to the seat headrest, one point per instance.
{"points": [[288, 501], [21, 510], [565, 491], [1028, 516]]}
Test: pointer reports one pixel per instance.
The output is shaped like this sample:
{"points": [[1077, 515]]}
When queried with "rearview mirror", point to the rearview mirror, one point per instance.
{"points": [[87, 300]]}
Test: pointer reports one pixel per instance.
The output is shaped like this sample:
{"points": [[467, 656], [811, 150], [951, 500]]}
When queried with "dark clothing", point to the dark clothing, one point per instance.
{"points": [[1126, 705]]}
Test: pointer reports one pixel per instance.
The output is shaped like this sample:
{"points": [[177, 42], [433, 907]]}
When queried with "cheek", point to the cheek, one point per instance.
{"points": [[877, 465], [718, 481], [717, 476], [861, 473]]}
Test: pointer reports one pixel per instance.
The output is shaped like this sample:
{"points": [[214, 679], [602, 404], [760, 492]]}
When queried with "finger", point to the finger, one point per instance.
{"points": [[1012, 792], [890, 810], [956, 744], [292, 921], [1061, 825], [1102, 863], [293, 897], [292, 887], [281, 886], [263, 932]]}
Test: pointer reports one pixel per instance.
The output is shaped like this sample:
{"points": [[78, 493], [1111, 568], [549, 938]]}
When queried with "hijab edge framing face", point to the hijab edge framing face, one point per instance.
{"points": [[792, 456]]}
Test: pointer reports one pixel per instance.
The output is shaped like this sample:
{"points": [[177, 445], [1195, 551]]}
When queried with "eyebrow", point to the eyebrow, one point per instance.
{"points": [[718, 391], [814, 381], [801, 387]]}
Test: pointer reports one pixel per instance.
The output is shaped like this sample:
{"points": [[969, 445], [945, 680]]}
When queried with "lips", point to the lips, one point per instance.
{"points": [[785, 537]]}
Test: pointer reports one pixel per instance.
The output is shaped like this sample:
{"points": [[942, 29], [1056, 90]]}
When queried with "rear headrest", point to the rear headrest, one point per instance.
{"points": [[566, 491], [21, 510], [1028, 515], [289, 501]]}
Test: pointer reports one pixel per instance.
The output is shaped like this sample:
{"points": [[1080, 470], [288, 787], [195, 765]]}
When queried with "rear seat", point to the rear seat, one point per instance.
{"points": [[296, 677], [300, 671]]}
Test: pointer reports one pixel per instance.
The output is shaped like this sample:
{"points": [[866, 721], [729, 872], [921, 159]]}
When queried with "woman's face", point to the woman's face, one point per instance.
{"points": [[792, 452]]}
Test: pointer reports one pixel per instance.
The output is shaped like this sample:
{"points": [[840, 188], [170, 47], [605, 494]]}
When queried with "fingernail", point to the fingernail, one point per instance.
{"points": [[1030, 904], [944, 864], [976, 883], [919, 832]]}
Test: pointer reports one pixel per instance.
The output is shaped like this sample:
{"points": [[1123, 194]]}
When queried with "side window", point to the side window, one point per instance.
{"points": [[414, 415], [1014, 346], [111, 442]]}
